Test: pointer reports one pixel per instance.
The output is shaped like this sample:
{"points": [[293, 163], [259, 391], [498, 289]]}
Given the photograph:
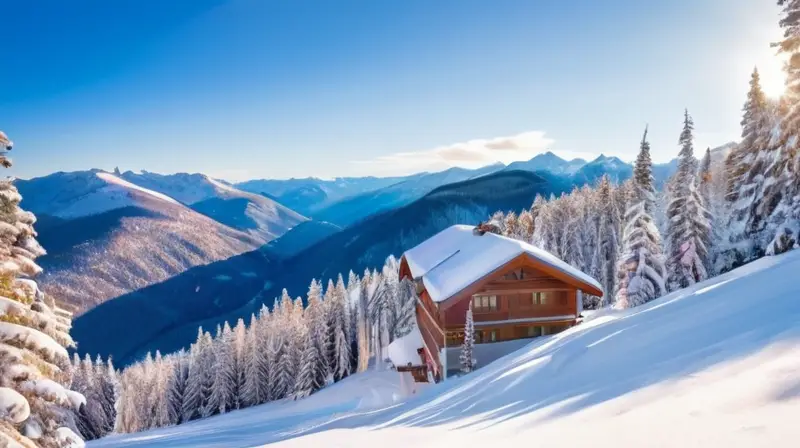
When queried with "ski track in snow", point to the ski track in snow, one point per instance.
{"points": [[714, 365]]}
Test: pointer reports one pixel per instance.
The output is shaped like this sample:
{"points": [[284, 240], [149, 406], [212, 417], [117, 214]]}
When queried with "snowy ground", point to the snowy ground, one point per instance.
{"points": [[717, 365]]}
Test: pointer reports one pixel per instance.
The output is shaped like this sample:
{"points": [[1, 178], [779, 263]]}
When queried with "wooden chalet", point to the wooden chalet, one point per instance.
{"points": [[515, 290]]}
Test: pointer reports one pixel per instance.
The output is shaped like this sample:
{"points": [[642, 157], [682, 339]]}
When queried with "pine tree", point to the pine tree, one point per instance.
{"points": [[34, 335], [238, 343], [159, 396], [640, 270], [313, 365], [607, 242], [746, 169], [782, 193], [256, 382], [467, 360], [222, 395], [108, 391], [193, 394], [341, 368], [688, 225], [363, 336], [178, 384], [84, 382], [353, 301]]}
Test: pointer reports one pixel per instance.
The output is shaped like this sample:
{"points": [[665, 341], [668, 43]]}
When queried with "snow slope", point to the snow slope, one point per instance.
{"points": [[255, 214], [83, 193], [715, 365], [107, 236]]}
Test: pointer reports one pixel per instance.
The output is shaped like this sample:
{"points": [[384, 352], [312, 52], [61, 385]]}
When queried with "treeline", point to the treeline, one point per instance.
{"points": [[288, 352]]}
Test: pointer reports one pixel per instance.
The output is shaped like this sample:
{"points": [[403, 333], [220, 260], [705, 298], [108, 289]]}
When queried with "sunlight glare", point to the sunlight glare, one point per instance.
{"points": [[773, 77]]}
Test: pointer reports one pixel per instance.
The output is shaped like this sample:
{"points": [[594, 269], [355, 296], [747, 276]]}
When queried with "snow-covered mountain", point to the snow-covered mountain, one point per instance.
{"points": [[309, 195], [356, 208], [106, 236], [548, 162], [365, 244], [714, 365], [615, 168], [255, 214]]}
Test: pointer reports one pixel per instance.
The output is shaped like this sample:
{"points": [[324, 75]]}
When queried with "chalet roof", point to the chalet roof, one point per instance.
{"points": [[454, 258]]}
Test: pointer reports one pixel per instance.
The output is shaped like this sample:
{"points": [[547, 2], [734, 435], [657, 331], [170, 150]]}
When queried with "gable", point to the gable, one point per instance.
{"points": [[455, 258]]}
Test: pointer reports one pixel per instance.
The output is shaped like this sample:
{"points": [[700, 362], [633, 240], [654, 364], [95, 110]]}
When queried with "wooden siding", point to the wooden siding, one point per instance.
{"points": [[514, 306], [513, 285]]}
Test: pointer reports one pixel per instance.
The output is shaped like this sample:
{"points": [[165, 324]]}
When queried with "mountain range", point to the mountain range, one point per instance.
{"points": [[184, 250], [346, 201]]}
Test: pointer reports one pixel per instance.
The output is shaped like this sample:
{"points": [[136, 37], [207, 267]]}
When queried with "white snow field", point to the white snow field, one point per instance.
{"points": [[715, 365]]}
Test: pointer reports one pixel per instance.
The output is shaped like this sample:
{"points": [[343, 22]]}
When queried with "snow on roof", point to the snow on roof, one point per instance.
{"points": [[454, 258], [403, 351]]}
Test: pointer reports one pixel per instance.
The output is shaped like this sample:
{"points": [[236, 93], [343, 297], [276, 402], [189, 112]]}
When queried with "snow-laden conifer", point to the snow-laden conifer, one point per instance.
{"points": [[640, 272], [178, 384], [688, 221], [34, 335], [224, 371], [466, 357], [607, 247]]}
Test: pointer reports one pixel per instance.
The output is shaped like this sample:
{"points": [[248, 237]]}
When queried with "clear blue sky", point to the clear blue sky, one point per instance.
{"points": [[292, 88]]}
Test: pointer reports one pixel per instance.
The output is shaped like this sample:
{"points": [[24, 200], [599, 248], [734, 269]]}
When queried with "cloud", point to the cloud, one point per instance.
{"points": [[470, 154]]}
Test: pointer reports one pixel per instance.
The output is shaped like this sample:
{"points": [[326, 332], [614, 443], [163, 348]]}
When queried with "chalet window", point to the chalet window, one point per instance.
{"points": [[534, 331], [455, 338], [492, 336], [540, 298], [483, 304]]}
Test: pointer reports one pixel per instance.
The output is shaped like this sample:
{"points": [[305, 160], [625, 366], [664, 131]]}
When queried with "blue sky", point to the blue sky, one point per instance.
{"points": [[276, 88]]}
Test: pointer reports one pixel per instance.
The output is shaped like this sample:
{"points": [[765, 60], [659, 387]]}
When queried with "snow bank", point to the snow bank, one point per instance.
{"points": [[403, 351], [454, 258]]}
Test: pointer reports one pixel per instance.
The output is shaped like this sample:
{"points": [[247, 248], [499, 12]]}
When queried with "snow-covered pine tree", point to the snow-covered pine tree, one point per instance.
{"points": [[782, 196], [526, 226], [254, 390], [640, 271], [341, 368], [222, 395], [316, 319], [746, 167], [607, 242], [162, 370], [83, 381], [34, 334], [264, 340], [688, 221], [178, 382], [362, 335], [466, 357], [238, 342], [313, 364], [108, 393], [353, 302], [193, 393], [511, 227], [206, 361], [278, 330], [284, 349], [536, 208], [127, 410]]}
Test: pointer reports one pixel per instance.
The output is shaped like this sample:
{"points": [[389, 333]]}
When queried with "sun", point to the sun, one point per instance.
{"points": [[773, 78]]}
